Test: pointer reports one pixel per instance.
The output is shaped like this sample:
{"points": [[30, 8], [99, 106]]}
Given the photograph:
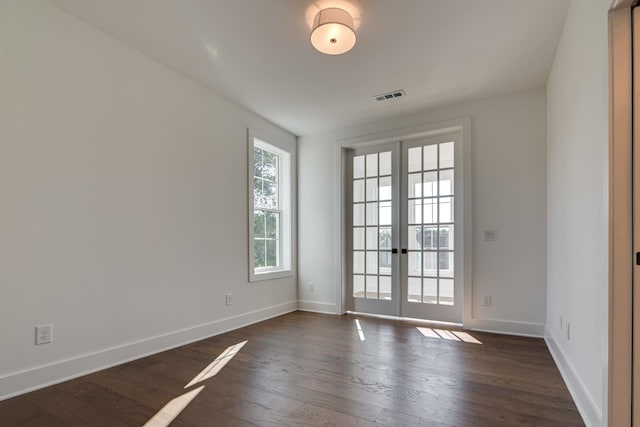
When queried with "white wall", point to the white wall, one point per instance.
{"points": [[577, 201], [123, 194], [508, 162]]}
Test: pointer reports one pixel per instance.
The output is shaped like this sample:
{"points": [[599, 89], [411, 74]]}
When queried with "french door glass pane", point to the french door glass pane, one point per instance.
{"points": [[415, 211], [372, 189], [372, 165], [358, 167], [385, 163], [358, 190], [446, 155], [372, 225], [430, 217], [358, 238]]}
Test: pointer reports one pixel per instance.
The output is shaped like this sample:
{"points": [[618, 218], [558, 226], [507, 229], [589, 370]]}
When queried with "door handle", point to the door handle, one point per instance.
{"points": [[394, 250], [404, 251]]}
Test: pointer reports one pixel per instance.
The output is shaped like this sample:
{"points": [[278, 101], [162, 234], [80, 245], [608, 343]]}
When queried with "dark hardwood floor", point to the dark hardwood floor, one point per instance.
{"points": [[314, 370]]}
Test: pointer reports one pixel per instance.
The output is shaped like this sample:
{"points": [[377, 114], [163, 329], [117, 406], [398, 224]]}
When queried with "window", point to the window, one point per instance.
{"points": [[270, 210]]}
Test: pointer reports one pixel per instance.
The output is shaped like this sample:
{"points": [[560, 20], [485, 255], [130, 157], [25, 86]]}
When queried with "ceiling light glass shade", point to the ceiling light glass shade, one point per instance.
{"points": [[333, 31]]}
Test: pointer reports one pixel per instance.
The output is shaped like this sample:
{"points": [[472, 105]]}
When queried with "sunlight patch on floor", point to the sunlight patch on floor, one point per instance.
{"points": [[171, 410], [360, 331], [444, 334], [215, 366]]}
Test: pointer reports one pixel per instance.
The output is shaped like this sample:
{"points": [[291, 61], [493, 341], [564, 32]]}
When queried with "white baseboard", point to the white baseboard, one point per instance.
{"points": [[589, 410], [43, 376], [535, 330], [317, 307]]}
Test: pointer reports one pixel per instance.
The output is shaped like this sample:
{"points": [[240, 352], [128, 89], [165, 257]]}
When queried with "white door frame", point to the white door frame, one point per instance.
{"points": [[620, 368], [462, 125]]}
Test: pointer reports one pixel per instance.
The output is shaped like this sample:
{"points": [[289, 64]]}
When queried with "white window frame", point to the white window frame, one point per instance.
{"points": [[285, 178]]}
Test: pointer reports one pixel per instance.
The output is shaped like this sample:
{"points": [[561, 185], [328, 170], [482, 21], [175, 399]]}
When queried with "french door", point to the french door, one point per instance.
{"points": [[403, 244]]}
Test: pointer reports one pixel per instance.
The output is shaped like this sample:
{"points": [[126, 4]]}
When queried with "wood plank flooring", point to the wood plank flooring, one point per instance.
{"points": [[305, 369]]}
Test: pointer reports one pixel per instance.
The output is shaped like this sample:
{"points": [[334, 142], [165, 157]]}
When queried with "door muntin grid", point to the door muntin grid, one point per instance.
{"points": [[372, 226], [430, 224]]}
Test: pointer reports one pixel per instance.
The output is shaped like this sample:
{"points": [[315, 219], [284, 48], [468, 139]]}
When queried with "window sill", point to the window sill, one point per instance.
{"points": [[269, 275]]}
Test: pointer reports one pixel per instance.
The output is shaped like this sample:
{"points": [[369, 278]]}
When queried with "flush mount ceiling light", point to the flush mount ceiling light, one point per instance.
{"points": [[333, 31]]}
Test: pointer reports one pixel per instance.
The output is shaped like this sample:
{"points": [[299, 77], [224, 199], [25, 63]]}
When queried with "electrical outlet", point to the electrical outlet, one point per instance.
{"points": [[486, 300], [568, 331], [490, 235], [311, 287], [227, 299], [44, 334]]}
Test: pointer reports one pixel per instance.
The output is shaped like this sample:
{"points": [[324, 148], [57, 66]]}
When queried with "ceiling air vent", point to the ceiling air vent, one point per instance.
{"points": [[389, 95]]}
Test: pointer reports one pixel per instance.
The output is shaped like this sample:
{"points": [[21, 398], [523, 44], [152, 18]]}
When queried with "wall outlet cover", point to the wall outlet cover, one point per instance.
{"points": [[44, 334], [490, 235]]}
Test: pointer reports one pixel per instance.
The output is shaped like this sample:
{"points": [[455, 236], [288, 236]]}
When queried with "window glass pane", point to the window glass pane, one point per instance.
{"points": [[372, 238], [446, 264], [385, 287], [372, 262], [385, 188], [372, 287], [358, 238], [270, 194], [430, 188], [372, 189], [446, 155], [259, 229], [385, 163], [414, 158], [358, 286], [358, 214], [446, 209], [446, 291], [358, 190], [446, 182], [414, 290], [431, 237], [415, 263], [372, 213], [430, 211], [415, 237], [358, 167], [257, 162], [385, 238], [372, 164], [430, 264], [385, 263], [259, 259], [446, 237], [272, 221], [272, 253], [358, 262], [269, 165], [430, 157], [414, 211], [430, 291], [258, 192], [415, 185], [385, 213]]}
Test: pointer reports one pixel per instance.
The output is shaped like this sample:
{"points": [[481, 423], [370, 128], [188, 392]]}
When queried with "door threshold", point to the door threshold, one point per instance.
{"points": [[406, 319]]}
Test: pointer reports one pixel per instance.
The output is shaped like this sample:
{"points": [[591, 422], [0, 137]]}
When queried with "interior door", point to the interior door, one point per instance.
{"points": [[431, 214], [374, 236]]}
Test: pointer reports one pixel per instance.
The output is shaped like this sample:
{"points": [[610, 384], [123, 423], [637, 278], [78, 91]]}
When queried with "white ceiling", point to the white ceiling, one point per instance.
{"points": [[258, 53]]}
